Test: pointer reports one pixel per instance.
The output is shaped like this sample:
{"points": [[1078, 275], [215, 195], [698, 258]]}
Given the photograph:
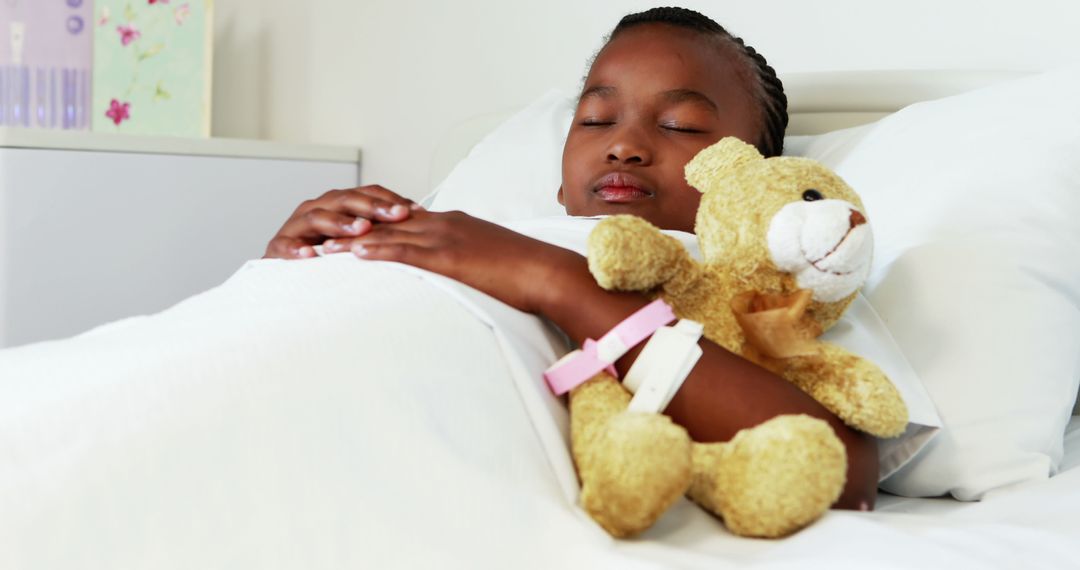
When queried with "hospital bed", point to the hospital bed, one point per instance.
{"points": [[254, 425]]}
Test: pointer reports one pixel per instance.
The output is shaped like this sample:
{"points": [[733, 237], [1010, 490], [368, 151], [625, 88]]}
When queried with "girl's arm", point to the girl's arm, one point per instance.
{"points": [[723, 394]]}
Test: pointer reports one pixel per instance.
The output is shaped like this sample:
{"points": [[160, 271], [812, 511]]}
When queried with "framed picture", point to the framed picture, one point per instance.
{"points": [[152, 66], [45, 60]]}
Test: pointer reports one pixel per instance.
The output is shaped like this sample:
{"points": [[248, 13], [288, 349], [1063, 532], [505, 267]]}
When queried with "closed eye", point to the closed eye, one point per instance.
{"points": [[596, 123], [681, 129]]}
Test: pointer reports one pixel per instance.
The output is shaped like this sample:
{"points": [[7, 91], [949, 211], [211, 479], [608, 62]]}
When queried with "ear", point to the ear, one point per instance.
{"points": [[722, 158], [559, 197]]}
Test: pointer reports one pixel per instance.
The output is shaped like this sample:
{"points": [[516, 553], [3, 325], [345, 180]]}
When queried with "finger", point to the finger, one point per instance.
{"points": [[409, 231], [288, 248], [338, 245], [406, 253], [360, 204], [382, 193], [387, 234], [418, 221], [322, 223], [369, 202]]}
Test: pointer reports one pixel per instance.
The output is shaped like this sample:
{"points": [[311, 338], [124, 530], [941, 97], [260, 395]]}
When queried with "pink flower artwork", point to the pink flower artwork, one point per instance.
{"points": [[104, 19], [118, 112], [152, 2], [128, 34], [181, 13]]}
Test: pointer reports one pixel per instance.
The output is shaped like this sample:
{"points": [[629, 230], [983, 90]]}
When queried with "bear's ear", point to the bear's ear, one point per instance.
{"points": [[720, 159]]}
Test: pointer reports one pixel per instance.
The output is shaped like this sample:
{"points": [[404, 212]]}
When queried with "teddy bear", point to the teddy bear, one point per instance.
{"points": [[785, 246]]}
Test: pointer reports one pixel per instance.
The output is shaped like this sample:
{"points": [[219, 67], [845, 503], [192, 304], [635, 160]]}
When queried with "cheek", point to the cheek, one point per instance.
{"points": [[572, 169], [681, 157]]}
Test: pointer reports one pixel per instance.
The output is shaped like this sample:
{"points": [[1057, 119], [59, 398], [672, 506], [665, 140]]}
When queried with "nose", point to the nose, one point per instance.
{"points": [[856, 218], [629, 145]]}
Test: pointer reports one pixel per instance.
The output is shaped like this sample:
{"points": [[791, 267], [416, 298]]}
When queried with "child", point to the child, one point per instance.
{"points": [[668, 83]]}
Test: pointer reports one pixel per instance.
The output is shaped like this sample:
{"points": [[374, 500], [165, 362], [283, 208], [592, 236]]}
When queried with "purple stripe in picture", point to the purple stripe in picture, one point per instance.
{"points": [[24, 94], [69, 99], [15, 94], [84, 99], [3, 94], [64, 123], [39, 97], [53, 96]]}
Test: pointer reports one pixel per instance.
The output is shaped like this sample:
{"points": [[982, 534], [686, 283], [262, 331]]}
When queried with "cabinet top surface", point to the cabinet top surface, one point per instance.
{"points": [[223, 147]]}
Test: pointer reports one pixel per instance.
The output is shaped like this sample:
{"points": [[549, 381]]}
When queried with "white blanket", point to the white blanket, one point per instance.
{"points": [[336, 413], [325, 413]]}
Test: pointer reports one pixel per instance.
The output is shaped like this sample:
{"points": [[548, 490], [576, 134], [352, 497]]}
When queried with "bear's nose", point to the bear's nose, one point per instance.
{"points": [[857, 219]]}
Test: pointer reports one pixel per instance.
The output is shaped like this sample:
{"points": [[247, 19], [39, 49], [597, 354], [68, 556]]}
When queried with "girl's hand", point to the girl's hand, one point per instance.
{"points": [[513, 268], [338, 216]]}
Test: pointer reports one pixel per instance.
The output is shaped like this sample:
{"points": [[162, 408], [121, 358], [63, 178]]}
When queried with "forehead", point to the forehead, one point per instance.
{"points": [[652, 58]]}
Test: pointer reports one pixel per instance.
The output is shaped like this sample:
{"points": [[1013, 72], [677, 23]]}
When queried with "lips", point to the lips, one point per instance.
{"points": [[621, 188]]}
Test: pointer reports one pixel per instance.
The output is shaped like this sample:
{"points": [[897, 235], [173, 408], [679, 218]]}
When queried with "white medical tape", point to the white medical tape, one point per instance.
{"points": [[663, 366], [611, 348]]}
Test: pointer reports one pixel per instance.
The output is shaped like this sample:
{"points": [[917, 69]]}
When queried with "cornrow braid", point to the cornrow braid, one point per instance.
{"points": [[768, 90]]}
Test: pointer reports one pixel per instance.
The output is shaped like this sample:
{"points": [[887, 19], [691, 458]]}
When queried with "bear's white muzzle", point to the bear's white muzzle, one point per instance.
{"points": [[826, 244]]}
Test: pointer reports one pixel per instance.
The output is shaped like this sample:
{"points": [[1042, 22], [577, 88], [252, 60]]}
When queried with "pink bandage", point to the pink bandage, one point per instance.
{"points": [[596, 356]]}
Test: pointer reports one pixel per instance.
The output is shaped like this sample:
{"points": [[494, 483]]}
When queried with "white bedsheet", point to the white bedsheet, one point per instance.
{"points": [[303, 416], [299, 416], [1031, 527]]}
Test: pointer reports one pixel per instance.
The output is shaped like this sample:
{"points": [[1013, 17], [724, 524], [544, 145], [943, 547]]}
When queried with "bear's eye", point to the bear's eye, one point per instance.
{"points": [[812, 195]]}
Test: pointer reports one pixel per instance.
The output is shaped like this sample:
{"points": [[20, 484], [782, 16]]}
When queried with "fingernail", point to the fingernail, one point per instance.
{"points": [[398, 210], [331, 245], [359, 249], [415, 206], [358, 225], [306, 251], [864, 506]]}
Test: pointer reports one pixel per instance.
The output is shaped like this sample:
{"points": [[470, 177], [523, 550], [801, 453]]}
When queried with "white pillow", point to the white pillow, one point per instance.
{"points": [[514, 173], [975, 203]]}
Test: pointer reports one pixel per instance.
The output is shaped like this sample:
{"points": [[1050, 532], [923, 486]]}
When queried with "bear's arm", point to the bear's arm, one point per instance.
{"points": [[627, 253]]}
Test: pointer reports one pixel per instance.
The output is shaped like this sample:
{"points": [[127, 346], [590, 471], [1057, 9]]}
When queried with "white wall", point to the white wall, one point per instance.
{"points": [[393, 76]]}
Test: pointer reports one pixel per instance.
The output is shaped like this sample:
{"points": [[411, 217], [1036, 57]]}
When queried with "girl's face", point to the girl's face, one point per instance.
{"points": [[654, 97]]}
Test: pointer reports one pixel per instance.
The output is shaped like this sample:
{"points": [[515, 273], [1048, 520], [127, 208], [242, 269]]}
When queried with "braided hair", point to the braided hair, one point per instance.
{"points": [[767, 90]]}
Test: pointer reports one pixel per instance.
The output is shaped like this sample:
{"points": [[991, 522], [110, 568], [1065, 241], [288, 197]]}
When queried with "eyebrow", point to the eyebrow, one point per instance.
{"points": [[689, 95], [600, 91], [672, 96]]}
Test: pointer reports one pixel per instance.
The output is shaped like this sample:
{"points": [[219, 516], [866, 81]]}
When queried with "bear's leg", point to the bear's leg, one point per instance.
{"points": [[772, 479], [632, 466], [851, 387]]}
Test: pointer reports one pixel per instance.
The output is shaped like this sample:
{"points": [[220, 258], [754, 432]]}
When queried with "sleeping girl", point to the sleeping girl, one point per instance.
{"points": [[667, 83]]}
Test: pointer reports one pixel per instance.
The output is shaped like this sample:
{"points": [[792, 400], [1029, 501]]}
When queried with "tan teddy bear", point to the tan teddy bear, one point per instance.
{"points": [[786, 246]]}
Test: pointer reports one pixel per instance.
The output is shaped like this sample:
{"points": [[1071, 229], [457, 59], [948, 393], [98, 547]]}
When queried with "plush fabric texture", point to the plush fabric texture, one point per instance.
{"points": [[741, 198], [740, 478], [626, 496], [977, 272], [777, 477]]}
